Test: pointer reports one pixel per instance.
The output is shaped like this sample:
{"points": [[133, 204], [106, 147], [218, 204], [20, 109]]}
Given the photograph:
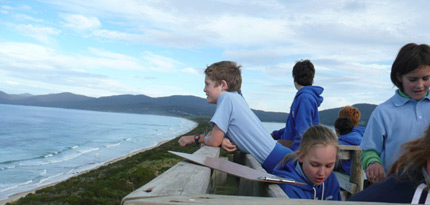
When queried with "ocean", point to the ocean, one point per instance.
{"points": [[40, 145]]}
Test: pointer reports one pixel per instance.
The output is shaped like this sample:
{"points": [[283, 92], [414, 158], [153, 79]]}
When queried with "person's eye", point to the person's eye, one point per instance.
{"points": [[329, 165], [412, 79], [426, 78], [315, 165]]}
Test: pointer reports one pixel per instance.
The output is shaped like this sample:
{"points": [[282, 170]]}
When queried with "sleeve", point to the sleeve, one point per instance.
{"points": [[373, 138], [369, 156], [278, 133], [222, 115]]}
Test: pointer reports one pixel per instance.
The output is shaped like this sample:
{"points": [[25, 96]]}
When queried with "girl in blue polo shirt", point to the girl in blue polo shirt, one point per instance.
{"points": [[403, 117]]}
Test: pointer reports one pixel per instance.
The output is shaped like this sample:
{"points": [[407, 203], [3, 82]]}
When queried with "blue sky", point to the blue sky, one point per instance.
{"points": [[160, 48]]}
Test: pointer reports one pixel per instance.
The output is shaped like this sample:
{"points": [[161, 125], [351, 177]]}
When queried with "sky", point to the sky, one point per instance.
{"points": [[161, 48]]}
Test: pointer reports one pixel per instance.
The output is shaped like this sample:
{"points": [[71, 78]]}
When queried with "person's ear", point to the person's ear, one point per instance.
{"points": [[224, 85], [300, 158]]}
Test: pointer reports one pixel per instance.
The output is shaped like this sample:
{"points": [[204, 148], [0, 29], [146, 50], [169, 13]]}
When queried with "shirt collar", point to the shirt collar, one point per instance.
{"points": [[401, 98]]}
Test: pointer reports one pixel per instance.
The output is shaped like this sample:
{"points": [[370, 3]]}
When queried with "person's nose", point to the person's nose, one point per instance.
{"points": [[321, 171], [420, 83]]}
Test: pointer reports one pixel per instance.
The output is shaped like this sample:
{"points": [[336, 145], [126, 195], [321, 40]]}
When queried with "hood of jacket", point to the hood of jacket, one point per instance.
{"points": [[314, 91], [292, 170]]}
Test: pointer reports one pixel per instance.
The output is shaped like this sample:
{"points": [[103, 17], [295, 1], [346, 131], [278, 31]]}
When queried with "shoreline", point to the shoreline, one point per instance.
{"points": [[19, 195]]}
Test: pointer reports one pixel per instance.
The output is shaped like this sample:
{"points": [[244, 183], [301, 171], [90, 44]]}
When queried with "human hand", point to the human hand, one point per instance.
{"points": [[375, 172], [228, 146], [186, 140]]}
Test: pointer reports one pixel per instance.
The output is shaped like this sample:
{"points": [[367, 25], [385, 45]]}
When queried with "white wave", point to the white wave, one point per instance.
{"points": [[50, 178], [48, 155], [74, 147], [89, 150], [10, 167], [16, 186], [70, 157], [112, 145]]}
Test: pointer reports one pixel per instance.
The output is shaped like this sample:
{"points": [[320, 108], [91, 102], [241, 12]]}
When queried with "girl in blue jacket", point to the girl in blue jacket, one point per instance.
{"points": [[313, 165]]}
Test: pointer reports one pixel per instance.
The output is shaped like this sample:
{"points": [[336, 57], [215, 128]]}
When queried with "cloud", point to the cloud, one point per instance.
{"points": [[160, 63], [80, 22], [40, 33], [190, 70], [116, 35], [24, 17], [351, 43]]}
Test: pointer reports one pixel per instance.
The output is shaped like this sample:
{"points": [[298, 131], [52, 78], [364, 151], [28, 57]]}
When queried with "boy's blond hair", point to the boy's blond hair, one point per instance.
{"points": [[228, 71]]}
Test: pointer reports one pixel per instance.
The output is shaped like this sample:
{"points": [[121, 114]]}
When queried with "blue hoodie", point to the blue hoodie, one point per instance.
{"points": [[303, 114], [328, 190], [354, 139]]}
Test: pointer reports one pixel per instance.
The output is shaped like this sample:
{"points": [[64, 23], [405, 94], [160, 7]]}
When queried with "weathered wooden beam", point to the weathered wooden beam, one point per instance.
{"points": [[248, 200], [185, 178]]}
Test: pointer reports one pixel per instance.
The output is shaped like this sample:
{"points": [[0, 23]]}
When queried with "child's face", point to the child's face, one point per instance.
{"points": [[212, 90], [319, 163], [416, 83]]}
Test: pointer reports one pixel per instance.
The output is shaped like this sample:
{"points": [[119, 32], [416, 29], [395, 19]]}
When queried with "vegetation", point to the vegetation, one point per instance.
{"points": [[110, 183]]}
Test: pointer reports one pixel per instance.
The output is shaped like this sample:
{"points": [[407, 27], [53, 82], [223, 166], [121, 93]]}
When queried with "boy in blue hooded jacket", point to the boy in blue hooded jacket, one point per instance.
{"points": [[304, 110], [312, 164]]}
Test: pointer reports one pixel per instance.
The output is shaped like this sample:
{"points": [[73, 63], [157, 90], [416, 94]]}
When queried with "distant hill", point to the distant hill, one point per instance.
{"points": [[177, 105]]}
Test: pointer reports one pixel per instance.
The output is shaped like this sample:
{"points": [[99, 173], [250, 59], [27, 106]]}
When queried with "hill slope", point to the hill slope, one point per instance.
{"points": [[177, 105]]}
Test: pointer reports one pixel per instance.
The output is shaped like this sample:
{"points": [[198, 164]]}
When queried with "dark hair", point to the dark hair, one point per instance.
{"points": [[343, 125], [228, 71], [304, 72], [410, 57]]}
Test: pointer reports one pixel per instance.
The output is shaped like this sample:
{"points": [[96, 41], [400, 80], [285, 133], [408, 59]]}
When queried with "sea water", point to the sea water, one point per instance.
{"points": [[40, 146]]}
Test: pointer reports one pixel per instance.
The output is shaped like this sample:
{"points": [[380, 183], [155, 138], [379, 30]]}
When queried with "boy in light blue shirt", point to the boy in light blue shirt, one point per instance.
{"points": [[234, 118]]}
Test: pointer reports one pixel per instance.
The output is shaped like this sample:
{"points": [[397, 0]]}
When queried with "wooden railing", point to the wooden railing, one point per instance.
{"points": [[187, 183]]}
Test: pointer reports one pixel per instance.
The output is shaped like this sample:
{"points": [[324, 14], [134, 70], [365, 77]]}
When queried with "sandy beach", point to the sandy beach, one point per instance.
{"points": [[16, 196]]}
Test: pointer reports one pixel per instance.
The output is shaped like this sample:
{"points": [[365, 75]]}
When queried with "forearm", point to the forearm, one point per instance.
{"points": [[210, 140], [214, 137], [369, 156]]}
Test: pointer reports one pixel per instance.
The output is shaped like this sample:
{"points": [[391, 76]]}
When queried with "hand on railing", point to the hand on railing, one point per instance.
{"points": [[228, 146]]}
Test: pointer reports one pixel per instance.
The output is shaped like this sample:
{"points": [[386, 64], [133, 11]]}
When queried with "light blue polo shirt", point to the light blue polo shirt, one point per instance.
{"points": [[234, 117]]}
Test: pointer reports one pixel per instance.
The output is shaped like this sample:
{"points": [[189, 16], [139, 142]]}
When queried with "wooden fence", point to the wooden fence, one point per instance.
{"points": [[187, 183]]}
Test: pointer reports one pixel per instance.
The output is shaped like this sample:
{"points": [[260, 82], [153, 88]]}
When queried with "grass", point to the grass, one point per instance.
{"points": [[108, 184]]}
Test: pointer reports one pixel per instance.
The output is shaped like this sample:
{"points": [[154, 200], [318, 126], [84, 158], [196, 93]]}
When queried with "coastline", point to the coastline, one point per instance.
{"points": [[17, 196]]}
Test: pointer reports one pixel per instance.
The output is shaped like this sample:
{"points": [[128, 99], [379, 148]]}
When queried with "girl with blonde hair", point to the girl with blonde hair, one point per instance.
{"points": [[313, 165]]}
